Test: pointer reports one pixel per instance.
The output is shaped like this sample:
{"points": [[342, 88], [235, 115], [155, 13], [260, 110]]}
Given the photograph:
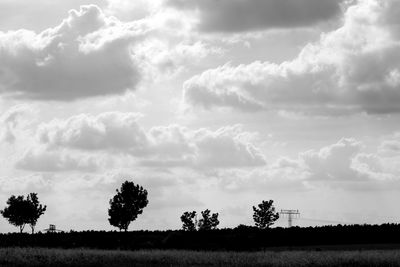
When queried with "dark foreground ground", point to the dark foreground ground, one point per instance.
{"points": [[342, 245], [84, 257]]}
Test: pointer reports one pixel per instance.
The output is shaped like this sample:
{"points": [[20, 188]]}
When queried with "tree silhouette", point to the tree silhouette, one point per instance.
{"points": [[126, 205], [21, 211], [208, 222], [264, 216], [35, 210], [189, 221]]}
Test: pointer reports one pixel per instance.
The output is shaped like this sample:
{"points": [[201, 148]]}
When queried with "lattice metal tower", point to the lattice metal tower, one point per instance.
{"points": [[291, 214]]}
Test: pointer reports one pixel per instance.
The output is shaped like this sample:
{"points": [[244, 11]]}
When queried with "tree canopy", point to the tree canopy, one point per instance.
{"points": [[20, 211], [126, 205], [189, 222], [35, 210], [208, 222], [265, 215]]}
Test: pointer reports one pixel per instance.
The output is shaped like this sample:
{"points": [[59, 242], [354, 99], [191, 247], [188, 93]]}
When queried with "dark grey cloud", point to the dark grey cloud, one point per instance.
{"points": [[250, 15]]}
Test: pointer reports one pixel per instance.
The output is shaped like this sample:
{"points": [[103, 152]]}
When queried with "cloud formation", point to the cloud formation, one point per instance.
{"points": [[10, 120], [88, 54], [355, 68], [244, 15], [170, 146], [48, 161], [391, 145], [341, 165], [23, 14], [127, 10], [334, 162], [112, 131], [345, 163], [227, 147]]}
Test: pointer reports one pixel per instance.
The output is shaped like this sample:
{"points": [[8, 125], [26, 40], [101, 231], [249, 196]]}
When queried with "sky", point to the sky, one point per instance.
{"points": [[208, 104]]}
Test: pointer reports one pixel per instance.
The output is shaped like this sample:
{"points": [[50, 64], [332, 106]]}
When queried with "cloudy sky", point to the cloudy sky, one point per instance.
{"points": [[215, 104]]}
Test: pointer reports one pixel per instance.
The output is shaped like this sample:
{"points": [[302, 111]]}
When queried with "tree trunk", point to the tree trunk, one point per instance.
{"points": [[33, 229]]}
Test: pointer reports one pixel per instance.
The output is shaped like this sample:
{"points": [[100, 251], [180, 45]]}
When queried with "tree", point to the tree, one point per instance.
{"points": [[189, 221], [35, 210], [16, 212], [264, 216], [208, 222], [126, 205], [21, 211]]}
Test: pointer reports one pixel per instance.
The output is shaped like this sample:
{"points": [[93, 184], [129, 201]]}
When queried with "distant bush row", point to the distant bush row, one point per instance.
{"points": [[241, 238]]}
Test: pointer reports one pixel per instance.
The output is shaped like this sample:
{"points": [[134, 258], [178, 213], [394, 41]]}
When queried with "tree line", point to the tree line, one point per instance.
{"points": [[125, 206]]}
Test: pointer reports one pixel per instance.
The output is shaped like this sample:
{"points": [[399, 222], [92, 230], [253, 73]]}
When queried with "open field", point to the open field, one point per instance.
{"points": [[80, 257]]}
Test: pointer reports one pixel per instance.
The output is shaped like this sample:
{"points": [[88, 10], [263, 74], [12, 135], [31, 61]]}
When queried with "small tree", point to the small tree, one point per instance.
{"points": [[16, 212], [35, 210], [264, 216], [126, 205], [208, 222], [21, 211], [189, 221]]}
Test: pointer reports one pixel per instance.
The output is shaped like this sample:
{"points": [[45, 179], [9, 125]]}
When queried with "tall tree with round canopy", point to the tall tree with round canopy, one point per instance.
{"points": [[126, 205]]}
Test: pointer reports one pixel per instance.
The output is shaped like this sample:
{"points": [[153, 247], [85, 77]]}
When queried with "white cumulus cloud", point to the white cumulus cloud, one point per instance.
{"points": [[88, 54], [173, 146], [352, 69]]}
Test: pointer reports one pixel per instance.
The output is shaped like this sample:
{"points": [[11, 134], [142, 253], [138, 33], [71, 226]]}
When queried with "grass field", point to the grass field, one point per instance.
{"points": [[81, 257]]}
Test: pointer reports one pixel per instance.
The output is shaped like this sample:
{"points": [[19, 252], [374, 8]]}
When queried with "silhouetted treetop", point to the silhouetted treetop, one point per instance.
{"points": [[126, 205], [208, 222], [35, 210], [189, 221], [21, 211], [265, 215]]}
